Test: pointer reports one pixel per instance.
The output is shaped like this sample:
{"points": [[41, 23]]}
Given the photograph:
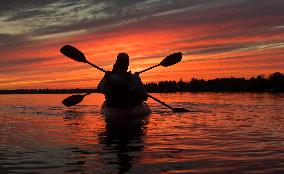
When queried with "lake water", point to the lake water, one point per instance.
{"points": [[228, 133]]}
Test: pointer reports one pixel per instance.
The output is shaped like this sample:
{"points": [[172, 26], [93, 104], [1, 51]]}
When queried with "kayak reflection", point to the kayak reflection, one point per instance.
{"points": [[125, 139]]}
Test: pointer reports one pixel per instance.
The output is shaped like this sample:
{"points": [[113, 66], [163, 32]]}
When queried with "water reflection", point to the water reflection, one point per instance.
{"points": [[234, 136], [125, 140], [72, 114]]}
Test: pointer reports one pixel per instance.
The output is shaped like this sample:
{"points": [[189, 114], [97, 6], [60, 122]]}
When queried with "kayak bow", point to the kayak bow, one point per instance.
{"points": [[141, 110]]}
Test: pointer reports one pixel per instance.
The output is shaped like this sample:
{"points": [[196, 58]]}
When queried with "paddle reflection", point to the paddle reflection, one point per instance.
{"points": [[125, 139]]}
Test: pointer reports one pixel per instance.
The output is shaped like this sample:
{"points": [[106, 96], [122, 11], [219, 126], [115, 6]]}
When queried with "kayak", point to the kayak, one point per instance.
{"points": [[139, 111]]}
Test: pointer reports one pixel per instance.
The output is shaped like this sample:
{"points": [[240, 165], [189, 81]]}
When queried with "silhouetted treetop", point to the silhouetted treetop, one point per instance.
{"points": [[272, 83]]}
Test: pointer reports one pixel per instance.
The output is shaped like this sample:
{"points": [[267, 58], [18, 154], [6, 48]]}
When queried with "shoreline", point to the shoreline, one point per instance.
{"points": [[274, 83], [80, 92]]}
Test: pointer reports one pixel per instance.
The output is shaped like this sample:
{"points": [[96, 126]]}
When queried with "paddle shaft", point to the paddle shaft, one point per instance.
{"points": [[89, 93], [159, 101], [149, 68], [99, 68]]}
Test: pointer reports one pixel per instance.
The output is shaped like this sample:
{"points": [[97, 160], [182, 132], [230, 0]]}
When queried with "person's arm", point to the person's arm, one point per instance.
{"points": [[102, 86], [138, 87]]}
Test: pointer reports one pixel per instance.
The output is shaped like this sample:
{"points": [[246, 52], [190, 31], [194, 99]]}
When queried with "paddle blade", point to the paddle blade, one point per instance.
{"points": [[73, 53], [171, 59], [73, 100], [180, 110]]}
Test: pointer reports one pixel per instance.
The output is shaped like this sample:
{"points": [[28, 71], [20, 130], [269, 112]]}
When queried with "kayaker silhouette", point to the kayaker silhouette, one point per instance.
{"points": [[121, 88]]}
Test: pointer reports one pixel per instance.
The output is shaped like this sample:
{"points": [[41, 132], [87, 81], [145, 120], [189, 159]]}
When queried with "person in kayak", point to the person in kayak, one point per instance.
{"points": [[121, 88]]}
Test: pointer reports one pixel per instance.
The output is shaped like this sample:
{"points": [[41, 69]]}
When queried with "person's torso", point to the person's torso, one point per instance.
{"points": [[119, 94]]}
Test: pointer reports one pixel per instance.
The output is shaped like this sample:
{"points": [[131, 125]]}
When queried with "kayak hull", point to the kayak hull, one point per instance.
{"points": [[141, 110]]}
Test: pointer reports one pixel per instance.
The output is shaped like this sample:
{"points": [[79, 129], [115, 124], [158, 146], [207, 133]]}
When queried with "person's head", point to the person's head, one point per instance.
{"points": [[122, 63]]}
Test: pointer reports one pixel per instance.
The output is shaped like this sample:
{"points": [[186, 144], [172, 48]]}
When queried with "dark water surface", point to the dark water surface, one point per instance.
{"points": [[230, 133]]}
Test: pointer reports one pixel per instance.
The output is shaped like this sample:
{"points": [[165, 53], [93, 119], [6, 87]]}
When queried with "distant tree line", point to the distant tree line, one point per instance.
{"points": [[271, 83]]}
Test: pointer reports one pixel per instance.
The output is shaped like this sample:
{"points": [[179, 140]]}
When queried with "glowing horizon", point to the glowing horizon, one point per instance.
{"points": [[239, 38]]}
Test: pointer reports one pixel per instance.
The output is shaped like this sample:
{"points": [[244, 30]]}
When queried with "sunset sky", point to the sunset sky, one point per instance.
{"points": [[218, 38]]}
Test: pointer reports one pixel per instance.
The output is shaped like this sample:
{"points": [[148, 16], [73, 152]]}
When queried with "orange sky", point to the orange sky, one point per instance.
{"points": [[240, 38]]}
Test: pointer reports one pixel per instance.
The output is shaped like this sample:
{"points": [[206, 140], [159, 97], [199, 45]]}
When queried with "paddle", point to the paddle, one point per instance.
{"points": [[78, 56], [74, 99], [168, 61], [163, 103]]}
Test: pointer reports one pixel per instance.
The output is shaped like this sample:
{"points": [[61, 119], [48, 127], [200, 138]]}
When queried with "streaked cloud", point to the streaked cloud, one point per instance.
{"points": [[214, 32]]}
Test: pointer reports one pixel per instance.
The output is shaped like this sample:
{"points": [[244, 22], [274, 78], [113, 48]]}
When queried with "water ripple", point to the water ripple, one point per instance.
{"points": [[229, 133]]}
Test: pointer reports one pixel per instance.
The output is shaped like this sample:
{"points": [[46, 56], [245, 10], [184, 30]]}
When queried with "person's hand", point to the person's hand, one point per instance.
{"points": [[107, 73]]}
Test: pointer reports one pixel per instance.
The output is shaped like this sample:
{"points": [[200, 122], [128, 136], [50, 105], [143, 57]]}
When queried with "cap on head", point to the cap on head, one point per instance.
{"points": [[122, 63], [122, 59]]}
